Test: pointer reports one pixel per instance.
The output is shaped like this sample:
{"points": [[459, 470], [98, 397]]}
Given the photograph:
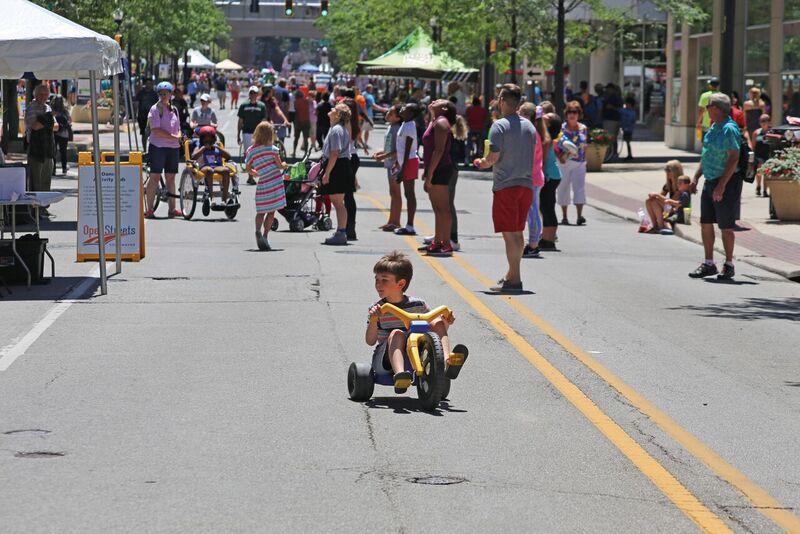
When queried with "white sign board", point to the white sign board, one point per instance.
{"points": [[131, 228]]}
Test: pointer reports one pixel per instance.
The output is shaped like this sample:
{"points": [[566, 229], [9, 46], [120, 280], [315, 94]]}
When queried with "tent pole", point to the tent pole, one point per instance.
{"points": [[98, 184], [117, 194]]}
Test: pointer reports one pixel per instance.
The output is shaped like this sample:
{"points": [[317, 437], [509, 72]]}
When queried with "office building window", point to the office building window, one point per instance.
{"points": [[758, 12]]}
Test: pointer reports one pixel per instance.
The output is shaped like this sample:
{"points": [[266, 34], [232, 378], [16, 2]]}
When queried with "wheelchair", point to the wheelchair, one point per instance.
{"points": [[193, 187]]}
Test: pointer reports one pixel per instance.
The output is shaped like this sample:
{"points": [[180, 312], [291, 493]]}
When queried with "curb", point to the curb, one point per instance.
{"points": [[773, 265]]}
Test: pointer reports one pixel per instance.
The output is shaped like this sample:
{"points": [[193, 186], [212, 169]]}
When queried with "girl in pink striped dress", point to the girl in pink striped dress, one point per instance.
{"points": [[265, 165]]}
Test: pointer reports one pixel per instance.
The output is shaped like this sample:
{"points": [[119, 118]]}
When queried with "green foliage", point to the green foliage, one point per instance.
{"points": [[168, 29], [783, 165], [692, 11]]}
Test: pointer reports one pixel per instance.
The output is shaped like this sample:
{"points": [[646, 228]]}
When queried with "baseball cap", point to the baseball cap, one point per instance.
{"points": [[254, 89], [205, 97], [713, 81]]}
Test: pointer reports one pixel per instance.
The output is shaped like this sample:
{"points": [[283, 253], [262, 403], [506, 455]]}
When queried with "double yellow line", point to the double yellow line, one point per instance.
{"points": [[683, 499]]}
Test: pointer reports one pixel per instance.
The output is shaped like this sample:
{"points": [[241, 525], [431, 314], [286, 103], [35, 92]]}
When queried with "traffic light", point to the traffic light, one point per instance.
{"points": [[288, 8], [254, 7], [323, 8]]}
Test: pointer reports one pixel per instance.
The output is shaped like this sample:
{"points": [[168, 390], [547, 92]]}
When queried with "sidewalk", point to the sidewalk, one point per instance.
{"points": [[621, 188]]}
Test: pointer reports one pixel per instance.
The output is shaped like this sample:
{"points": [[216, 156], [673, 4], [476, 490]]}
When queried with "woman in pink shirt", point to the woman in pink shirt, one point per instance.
{"points": [[534, 114], [165, 142]]}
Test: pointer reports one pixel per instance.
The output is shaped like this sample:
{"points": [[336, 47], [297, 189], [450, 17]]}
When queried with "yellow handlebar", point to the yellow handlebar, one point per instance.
{"points": [[408, 317]]}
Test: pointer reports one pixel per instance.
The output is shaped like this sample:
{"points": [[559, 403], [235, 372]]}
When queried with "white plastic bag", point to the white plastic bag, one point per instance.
{"points": [[644, 221]]}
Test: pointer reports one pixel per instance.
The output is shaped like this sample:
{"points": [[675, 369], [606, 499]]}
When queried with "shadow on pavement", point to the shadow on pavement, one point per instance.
{"points": [[515, 294], [729, 282], [751, 309], [57, 289], [406, 405]]}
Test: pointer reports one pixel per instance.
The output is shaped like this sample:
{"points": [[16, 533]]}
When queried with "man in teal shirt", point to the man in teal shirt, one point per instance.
{"points": [[721, 195]]}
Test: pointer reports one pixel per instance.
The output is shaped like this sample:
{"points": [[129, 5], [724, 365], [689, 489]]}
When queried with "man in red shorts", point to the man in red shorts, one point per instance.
{"points": [[512, 140]]}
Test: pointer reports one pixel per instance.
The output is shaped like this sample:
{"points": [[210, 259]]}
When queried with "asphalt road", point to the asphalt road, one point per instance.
{"points": [[206, 392]]}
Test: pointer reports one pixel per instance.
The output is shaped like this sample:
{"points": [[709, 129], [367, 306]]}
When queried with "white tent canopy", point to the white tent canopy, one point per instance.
{"points": [[197, 61], [33, 39], [227, 64]]}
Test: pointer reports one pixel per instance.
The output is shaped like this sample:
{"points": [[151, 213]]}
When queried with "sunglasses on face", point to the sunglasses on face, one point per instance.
{"points": [[573, 112]]}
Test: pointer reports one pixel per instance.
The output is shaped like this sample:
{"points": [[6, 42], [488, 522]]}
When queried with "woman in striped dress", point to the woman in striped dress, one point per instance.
{"points": [[265, 165]]}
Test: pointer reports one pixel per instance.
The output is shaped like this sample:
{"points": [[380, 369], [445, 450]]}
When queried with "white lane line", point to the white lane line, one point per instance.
{"points": [[17, 348]]}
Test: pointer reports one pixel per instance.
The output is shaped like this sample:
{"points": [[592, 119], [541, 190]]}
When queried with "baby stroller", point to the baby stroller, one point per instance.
{"points": [[300, 192]]}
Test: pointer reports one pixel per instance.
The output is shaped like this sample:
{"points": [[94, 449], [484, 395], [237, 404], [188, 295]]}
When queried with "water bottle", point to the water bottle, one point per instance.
{"points": [[644, 221]]}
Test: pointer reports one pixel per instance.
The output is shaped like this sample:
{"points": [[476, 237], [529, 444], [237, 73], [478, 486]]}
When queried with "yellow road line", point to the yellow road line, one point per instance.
{"points": [[761, 500], [683, 499]]}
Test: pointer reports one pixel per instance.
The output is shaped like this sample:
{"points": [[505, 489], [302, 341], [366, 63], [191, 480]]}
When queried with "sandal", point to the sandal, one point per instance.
{"points": [[405, 231], [149, 214], [388, 227], [174, 213]]}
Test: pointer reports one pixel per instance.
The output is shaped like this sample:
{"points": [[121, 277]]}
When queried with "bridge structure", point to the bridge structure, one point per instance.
{"points": [[269, 21]]}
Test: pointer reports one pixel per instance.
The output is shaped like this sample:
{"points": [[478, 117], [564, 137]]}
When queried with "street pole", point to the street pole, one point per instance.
{"points": [[559, 70], [728, 37]]}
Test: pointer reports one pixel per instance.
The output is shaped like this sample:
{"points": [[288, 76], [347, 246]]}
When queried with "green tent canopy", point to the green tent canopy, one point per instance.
{"points": [[417, 56]]}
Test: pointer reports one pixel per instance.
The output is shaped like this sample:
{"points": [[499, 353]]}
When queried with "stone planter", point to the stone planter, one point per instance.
{"points": [[595, 154], [84, 114], [785, 196]]}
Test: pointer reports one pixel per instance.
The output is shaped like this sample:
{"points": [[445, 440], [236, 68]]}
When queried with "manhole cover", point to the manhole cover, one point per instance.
{"points": [[437, 480], [39, 454], [27, 431]]}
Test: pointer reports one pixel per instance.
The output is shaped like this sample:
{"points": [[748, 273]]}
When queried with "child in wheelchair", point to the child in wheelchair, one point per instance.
{"points": [[209, 156], [393, 274]]}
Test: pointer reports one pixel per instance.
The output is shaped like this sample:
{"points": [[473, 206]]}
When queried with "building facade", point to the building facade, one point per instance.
{"points": [[763, 50]]}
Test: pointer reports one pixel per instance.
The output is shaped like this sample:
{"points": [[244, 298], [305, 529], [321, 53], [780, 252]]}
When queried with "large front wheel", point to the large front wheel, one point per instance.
{"points": [[188, 193], [430, 384]]}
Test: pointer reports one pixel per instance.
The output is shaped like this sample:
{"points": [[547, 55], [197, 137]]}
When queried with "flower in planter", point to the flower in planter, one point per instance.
{"points": [[783, 165], [598, 136]]}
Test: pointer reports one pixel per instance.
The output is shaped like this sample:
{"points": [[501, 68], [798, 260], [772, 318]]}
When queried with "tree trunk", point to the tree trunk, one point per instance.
{"points": [[559, 68], [187, 71]]}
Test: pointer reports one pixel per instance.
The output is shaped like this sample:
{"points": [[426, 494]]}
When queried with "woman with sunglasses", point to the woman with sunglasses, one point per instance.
{"points": [[573, 164], [165, 141]]}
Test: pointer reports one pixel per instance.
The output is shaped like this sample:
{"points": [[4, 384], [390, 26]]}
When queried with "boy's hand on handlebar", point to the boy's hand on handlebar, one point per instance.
{"points": [[374, 312], [450, 318]]}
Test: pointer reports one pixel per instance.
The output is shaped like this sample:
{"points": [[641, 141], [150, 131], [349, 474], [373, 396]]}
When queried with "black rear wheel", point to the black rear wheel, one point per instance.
{"points": [[360, 384], [430, 384]]}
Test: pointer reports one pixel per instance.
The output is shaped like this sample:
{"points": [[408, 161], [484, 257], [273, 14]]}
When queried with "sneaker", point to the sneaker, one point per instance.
{"points": [[261, 242], [455, 245], [405, 231], [175, 213], [530, 252], [703, 271], [504, 286], [206, 206], [428, 240], [581, 221], [337, 239], [666, 231], [727, 273], [442, 250], [547, 246]]}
